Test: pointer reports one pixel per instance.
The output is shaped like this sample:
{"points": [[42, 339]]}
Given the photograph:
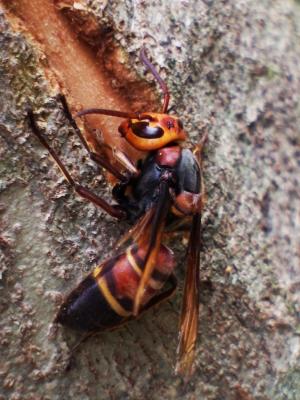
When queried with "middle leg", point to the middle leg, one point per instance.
{"points": [[114, 210]]}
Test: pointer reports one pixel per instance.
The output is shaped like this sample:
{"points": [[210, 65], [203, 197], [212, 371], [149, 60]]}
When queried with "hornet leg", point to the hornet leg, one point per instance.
{"points": [[114, 211], [97, 158]]}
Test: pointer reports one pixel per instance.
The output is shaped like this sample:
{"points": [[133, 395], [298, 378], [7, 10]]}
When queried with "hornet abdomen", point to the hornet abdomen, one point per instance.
{"points": [[105, 298]]}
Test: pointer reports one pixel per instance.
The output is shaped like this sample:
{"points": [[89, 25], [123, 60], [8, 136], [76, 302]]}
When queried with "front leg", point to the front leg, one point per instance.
{"points": [[98, 158]]}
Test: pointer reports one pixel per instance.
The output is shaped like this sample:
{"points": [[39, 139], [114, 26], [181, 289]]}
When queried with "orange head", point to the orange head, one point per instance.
{"points": [[152, 131]]}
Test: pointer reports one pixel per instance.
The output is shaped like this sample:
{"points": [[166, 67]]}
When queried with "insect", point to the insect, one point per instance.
{"points": [[164, 187]]}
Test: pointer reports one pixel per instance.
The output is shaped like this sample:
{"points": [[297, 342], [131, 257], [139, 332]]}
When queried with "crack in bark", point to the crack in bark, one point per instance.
{"points": [[78, 72]]}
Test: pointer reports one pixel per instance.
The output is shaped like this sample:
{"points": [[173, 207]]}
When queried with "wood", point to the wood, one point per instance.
{"points": [[76, 68]]}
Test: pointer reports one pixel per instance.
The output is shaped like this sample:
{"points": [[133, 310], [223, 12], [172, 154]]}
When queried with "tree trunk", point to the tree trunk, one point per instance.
{"points": [[233, 69]]}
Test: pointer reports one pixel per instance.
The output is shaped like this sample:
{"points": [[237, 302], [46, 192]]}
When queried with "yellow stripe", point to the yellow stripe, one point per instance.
{"points": [[97, 271], [115, 305], [133, 262], [156, 285]]}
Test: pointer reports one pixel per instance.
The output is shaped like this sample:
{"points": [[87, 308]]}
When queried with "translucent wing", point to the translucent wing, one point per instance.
{"points": [[138, 231], [190, 304], [151, 239]]}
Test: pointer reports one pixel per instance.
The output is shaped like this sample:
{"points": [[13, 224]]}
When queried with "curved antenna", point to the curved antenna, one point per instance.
{"points": [[145, 60], [112, 113]]}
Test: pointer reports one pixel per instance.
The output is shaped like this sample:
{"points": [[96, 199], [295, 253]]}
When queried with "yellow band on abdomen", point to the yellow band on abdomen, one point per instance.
{"points": [[115, 305], [132, 262]]}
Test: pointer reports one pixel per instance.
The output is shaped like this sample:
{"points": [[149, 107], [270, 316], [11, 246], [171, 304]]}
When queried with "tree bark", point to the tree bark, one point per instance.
{"points": [[233, 69]]}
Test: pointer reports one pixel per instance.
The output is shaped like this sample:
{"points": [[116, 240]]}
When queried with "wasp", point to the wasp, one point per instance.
{"points": [[164, 186]]}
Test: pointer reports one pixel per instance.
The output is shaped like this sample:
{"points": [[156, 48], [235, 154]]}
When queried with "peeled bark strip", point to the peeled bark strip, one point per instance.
{"points": [[233, 68], [75, 66]]}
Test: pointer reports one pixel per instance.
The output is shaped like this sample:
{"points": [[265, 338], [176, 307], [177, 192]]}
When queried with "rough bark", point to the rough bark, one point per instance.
{"points": [[232, 68]]}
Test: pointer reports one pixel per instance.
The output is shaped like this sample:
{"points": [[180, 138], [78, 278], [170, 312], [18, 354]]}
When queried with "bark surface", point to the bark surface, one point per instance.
{"points": [[232, 68]]}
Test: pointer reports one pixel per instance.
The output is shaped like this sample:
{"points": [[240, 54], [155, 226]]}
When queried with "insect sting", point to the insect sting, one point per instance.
{"points": [[163, 189]]}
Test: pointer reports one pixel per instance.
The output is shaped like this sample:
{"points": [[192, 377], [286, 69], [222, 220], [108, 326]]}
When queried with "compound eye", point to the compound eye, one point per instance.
{"points": [[144, 130]]}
